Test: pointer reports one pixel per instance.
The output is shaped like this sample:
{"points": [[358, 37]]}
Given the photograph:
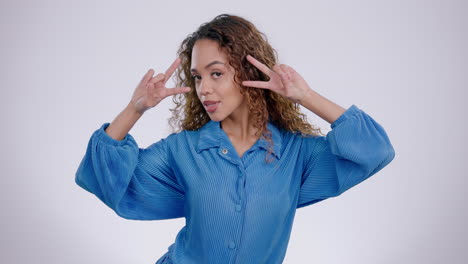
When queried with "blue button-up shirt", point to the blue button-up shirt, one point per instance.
{"points": [[237, 209]]}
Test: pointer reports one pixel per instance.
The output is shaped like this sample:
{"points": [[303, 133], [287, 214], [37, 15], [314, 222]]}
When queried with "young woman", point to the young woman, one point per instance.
{"points": [[243, 158]]}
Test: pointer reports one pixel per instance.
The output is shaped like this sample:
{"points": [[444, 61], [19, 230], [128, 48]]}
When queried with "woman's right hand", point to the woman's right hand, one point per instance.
{"points": [[152, 90]]}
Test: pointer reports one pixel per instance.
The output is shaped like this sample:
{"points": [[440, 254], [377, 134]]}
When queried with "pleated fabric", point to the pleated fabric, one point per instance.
{"points": [[237, 209]]}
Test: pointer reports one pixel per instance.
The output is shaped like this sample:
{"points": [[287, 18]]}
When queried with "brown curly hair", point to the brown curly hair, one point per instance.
{"points": [[237, 37]]}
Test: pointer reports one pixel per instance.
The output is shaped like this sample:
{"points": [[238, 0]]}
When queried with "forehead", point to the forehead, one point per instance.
{"points": [[206, 51]]}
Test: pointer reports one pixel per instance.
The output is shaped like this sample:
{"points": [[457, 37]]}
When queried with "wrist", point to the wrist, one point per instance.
{"points": [[308, 98], [132, 111]]}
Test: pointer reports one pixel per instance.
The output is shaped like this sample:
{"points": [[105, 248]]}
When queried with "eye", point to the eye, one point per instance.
{"points": [[217, 74], [198, 77]]}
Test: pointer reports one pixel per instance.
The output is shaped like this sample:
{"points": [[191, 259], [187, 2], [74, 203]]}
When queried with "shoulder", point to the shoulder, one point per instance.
{"points": [[180, 137], [308, 144], [180, 141], [303, 138]]}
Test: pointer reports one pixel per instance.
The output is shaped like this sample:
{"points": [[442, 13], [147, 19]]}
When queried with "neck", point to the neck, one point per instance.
{"points": [[238, 125]]}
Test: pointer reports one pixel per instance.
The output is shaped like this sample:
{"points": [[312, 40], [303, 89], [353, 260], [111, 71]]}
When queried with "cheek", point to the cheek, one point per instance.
{"points": [[198, 92], [231, 88], [235, 92]]}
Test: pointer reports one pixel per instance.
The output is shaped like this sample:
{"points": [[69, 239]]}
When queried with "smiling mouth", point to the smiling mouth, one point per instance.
{"points": [[211, 106]]}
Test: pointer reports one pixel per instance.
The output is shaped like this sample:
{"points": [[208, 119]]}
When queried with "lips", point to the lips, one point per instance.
{"points": [[211, 105]]}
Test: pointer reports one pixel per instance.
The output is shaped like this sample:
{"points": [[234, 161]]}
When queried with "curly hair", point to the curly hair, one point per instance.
{"points": [[237, 37]]}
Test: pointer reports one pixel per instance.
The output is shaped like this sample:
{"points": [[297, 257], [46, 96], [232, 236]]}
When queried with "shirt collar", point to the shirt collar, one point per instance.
{"points": [[211, 134]]}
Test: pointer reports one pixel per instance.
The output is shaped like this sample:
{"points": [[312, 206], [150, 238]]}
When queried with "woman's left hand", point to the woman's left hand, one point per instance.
{"points": [[284, 80]]}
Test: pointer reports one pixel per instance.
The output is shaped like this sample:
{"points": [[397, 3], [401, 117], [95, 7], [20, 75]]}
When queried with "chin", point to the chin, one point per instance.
{"points": [[216, 118]]}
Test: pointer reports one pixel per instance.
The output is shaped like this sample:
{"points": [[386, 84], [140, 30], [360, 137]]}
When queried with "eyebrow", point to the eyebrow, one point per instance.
{"points": [[207, 66]]}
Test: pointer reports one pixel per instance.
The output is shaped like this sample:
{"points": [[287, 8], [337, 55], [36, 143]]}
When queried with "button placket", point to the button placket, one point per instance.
{"points": [[240, 204], [240, 188], [232, 245], [225, 153], [241, 183]]}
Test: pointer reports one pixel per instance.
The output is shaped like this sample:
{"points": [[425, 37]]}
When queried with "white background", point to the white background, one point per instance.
{"points": [[69, 66]]}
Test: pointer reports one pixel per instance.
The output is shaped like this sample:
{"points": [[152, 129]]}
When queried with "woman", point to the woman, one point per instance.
{"points": [[245, 158]]}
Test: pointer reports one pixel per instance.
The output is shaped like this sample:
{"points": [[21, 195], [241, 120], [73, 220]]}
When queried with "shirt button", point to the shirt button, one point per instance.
{"points": [[238, 207], [225, 151], [232, 245]]}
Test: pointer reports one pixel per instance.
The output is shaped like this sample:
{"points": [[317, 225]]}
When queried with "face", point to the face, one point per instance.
{"points": [[214, 81]]}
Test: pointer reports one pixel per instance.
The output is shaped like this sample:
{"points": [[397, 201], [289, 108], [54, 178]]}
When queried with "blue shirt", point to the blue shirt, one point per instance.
{"points": [[237, 210]]}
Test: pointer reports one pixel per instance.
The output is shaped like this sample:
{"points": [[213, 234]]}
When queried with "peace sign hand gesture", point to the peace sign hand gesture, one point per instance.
{"points": [[152, 90], [284, 80]]}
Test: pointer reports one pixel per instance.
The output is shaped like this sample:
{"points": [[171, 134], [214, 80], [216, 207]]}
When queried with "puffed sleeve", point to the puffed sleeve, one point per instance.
{"points": [[136, 183], [356, 148]]}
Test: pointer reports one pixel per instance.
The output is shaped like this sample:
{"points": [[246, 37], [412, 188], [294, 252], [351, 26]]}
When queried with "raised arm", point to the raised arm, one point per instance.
{"points": [[148, 93], [136, 183], [356, 148]]}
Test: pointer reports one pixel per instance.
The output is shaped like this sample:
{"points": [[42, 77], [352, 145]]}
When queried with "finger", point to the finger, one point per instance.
{"points": [[262, 67], [171, 69], [157, 78], [149, 88], [291, 72], [256, 84], [278, 69], [178, 90], [147, 76], [285, 75]]}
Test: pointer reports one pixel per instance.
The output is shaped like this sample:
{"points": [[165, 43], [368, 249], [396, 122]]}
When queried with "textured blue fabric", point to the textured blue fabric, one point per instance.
{"points": [[237, 210]]}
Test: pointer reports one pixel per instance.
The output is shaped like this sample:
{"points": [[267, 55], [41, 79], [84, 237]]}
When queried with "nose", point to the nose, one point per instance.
{"points": [[205, 87]]}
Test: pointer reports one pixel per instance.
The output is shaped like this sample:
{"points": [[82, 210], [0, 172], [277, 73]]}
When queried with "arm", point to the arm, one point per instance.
{"points": [[136, 183], [321, 106], [285, 81], [123, 123], [149, 92], [356, 148]]}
